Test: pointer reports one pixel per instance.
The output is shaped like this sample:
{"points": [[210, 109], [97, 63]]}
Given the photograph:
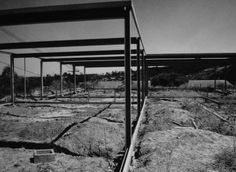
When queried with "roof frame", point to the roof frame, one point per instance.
{"points": [[64, 13], [65, 43], [191, 55], [89, 59], [72, 53], [99, 62]]}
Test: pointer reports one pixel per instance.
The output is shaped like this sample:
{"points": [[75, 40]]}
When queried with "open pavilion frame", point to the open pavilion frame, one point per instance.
{"points": [[80, 12], [98, 11]]}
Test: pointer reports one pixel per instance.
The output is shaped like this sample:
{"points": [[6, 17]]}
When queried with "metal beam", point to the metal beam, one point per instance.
{"points": [[128, 129], [78, 59], [192, 55], [74, 75], [138, 78], [191, 61], [61, 80], [12, 80], [120, 63], [65, 43], [64, 13], [70, 102], [41, 76], [146, 77], [25, 78], [85, 81], [143, 79], [73, 53]]}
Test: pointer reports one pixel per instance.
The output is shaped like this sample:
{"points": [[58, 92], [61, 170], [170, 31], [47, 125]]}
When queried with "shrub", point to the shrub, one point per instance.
{"points": [[169, 79]]}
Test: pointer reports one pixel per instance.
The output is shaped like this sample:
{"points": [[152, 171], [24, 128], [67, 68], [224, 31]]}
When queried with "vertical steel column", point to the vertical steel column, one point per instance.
{"points": [[41, 76], [128, 132], [12, 80], [215, 78], [85, 80], [24, 78], [143, 78], [138, 77], [61, 80], [74, 79], [225, 85], [146, 77]]}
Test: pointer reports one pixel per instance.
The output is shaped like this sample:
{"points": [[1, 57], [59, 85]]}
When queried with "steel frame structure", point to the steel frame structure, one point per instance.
{"points": [[99, 11], [80, 12]]}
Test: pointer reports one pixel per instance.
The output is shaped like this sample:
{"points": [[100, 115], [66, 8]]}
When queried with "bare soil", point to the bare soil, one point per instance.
{"points": [[84, 137], [178, 135]]}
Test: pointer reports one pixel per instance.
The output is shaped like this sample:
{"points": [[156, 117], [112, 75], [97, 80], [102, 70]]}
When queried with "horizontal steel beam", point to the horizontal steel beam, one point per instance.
{"points": [[120, 63], [72, 53], [80, 96], [192, 55], [192, 61], [70, 102], [64, 13], [65, 43], [86, 59]]}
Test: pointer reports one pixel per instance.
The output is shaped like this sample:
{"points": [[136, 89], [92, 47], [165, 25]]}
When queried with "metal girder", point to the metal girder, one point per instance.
{"points": [[12, 79], [41, 79], [128, 78], [120, 63], [188, 61], [64, 13], [71, 102], [65, 43], [73, 53], [88, 59], [192, 55], [138, 78]]}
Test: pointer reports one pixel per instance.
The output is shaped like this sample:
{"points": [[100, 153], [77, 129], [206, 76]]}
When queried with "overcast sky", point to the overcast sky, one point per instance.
{"points": [[167, 26]]}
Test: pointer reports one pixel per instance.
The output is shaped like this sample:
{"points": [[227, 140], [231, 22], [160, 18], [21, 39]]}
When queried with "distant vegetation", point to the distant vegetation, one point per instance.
{"points": [[52, 81], [169, 79], [199, 72]]}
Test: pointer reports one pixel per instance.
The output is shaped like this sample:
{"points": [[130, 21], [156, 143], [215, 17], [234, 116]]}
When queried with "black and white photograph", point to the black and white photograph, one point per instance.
{"points": [[117, 85]]}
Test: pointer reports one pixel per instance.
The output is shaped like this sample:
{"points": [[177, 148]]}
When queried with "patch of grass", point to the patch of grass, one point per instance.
{"points": [[226, 160]]}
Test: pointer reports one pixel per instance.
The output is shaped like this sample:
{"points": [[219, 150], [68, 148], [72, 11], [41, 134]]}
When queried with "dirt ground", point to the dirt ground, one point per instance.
{"points": [[84, 137], [178, 135]]}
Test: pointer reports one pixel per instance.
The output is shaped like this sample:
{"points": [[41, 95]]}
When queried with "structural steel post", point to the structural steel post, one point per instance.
{"points": [[146, 77], [41, 76], [12, 80], [24, 78], [215, 78], [225, 85], [128, 132], [85, 81], [143, 78], [61, 80], [74, 79], [138, 77]]}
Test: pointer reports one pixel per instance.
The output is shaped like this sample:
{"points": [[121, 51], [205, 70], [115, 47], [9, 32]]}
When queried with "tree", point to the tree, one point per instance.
{"points": [[5, 81], [168, 79]]}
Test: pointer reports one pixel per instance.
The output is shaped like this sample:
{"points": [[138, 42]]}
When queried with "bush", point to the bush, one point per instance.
{"points": [[169, 79]]}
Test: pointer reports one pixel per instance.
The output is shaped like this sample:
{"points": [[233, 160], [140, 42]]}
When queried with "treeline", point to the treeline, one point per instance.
{"points": [[176, 75], [50, 81]]}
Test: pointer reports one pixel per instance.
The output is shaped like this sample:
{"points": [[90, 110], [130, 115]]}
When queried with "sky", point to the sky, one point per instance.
{"points": [[167, 26]]}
